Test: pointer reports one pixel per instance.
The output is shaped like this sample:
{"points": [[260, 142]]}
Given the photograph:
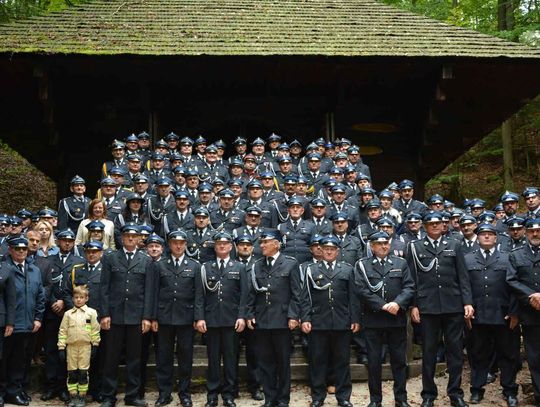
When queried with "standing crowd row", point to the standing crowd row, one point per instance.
{"points": [[264, 248]]}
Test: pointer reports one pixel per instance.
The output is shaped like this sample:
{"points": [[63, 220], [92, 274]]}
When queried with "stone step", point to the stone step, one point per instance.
{"points": [[299, 372]]}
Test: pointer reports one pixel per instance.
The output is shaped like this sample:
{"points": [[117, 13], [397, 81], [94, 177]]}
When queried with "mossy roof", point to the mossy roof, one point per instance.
{"points": [[249, 27]]}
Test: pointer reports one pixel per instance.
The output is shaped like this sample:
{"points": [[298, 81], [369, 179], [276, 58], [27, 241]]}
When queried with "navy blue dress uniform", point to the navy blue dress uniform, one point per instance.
{"points": [[220, 302], [73, 209], [200, 244], [227, 220], [330, 303], [60, 266], [315, 178], [381, 281], [254, 233], [407, 235], [493, 302], [248, 335], [159, 206], [8, 303], [273, 300], [177, 220], [443, 289], [30, 307], [525, 281], [412, 205], [126, 300], [115, 162], [296, 235], [173, 288], [351, 248], [89, 275]]}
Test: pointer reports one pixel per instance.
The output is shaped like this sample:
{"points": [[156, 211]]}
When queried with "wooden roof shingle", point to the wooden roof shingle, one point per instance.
{"points": [[249, 27]]}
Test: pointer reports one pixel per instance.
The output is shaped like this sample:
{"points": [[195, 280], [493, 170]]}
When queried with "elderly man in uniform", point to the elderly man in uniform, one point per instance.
{"points": [[273, 311], [443, 299], [525, 281], [386, 290], [495, 316], [219, 313], [329, 312], [173, 286], [125, 311]]}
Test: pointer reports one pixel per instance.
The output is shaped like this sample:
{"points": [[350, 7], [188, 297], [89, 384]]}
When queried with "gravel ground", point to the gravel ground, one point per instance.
{"points": [[360, 395]]}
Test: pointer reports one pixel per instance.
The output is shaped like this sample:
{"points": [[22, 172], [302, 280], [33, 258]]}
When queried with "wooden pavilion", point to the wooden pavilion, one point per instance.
{"points": [[414, 92]]}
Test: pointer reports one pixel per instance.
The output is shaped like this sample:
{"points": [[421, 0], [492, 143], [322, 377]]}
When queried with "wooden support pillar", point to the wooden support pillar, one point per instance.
{"points": [[508, 158]]}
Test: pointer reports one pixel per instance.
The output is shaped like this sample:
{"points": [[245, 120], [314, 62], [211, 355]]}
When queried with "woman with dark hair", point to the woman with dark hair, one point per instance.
{"points": [[97, 210], [133, 212]]}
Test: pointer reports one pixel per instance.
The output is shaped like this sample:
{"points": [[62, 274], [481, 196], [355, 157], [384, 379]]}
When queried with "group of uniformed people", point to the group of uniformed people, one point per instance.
{"points": [[266, 248]]}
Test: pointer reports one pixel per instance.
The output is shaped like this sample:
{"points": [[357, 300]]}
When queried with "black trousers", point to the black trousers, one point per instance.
{"points": [[359, 340], [221, 343], [481, 339], [396, 338], [14, 363], [55, 370], [450, 326], [531, 340], [148, 339], [183, 336], [274, 350], [120, 337], [97, 366], [253, 375], [330, 349]]}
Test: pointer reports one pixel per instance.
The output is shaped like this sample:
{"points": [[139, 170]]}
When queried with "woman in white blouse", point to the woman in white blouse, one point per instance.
{"points": [[97, 211]]}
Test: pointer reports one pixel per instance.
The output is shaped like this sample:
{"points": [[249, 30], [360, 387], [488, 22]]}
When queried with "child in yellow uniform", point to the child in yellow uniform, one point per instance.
{"points": [[79, 334]]}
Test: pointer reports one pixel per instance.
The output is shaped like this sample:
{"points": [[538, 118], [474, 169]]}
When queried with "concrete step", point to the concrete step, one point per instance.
{"points": [[299, 372]]}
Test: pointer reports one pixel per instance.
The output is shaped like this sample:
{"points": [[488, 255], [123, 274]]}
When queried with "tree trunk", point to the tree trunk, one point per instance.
{"points": [[508, 159], [501, 15]]}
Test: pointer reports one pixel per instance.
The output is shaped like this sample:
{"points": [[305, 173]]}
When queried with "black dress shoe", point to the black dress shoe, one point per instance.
{"points": [[476, 398], [48, 395], [98, 398], [511, 401], [257, 395], [374, 404], [64, 396], [211, 403], [1, 401], [458, 402], [402, 404], [163, 400], [268, 404], [185, 402], [16, 399], [362, 359], [316, 403], [136, 402], [345, 403], [427, 403], [491, 377], [229, 403], [108, 403], [26, 396]]}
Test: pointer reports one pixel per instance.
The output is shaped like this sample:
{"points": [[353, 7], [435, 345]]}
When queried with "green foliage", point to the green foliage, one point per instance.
{"points": [[15, 9], [480, 15]]}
